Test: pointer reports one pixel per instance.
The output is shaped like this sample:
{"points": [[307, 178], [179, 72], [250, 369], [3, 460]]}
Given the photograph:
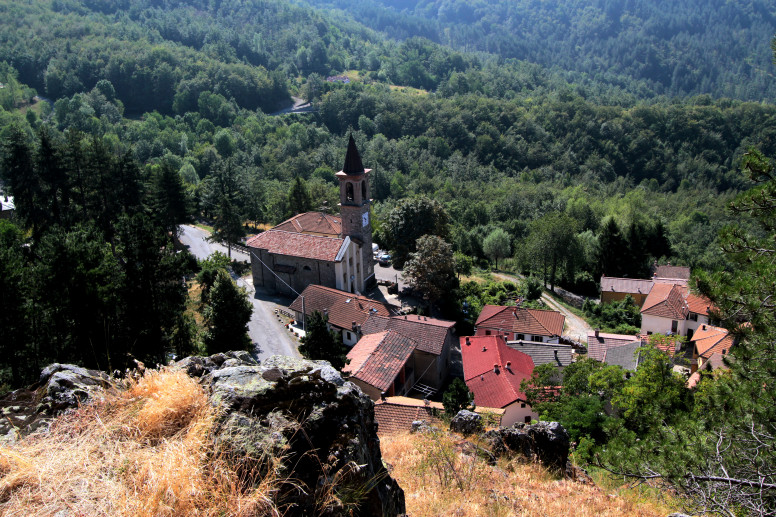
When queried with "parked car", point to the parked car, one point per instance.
{"points": [[384, 259]]}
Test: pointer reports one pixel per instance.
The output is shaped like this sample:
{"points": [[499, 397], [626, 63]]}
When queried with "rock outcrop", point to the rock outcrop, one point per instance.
{"points": [[466, 422], [547, 442], [60, 387], [295, 418], [302, 411]]}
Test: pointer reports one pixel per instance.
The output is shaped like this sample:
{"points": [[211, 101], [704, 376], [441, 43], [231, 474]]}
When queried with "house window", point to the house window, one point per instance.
{"points": [[527, 419], [487, 332], [520, 337], [693, 316], [538, 339], [522, 404], [674, 326], [348, 336]]}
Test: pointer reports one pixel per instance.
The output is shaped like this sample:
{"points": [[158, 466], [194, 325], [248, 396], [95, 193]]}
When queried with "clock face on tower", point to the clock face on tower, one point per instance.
{"points": [[365, 219]]}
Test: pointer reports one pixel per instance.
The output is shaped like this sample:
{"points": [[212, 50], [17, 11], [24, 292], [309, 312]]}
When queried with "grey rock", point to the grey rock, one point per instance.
{"points": [[322, 427], [547, 442], [466, 422]]}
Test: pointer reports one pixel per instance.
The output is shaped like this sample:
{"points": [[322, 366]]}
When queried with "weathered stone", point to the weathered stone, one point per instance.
{"points": [[322, 427], [548, 442], [466, 422]]}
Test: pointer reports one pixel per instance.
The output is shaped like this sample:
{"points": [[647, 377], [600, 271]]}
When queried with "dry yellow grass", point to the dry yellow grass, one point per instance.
{"points": [[143, 451], [432, 472]]}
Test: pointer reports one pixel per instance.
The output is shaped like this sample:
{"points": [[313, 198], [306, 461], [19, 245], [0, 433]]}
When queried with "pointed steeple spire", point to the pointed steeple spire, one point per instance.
{"points": [[353, 163]]}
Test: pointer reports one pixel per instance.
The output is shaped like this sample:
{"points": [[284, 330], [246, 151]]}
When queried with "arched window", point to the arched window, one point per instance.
{"points": [[363, 191], [349, 192]]}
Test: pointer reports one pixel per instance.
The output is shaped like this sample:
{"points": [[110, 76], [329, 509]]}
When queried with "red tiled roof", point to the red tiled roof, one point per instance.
{"points": [[430, 333], [393, 416], [312, 222], [625, 285], [342, 307], [698, 304], [301, 245], [711, 340], [666, 301], [377, 359], [494, 387], [521, 320], [597, 346]]}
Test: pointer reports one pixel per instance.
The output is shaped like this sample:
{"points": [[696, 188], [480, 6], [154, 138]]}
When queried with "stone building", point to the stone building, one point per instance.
{"points": [[315, 248]]}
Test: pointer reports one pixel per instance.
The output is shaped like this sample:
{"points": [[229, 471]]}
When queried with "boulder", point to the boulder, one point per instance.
{"points": [[547, 442], [322, 427], [466, 422]]}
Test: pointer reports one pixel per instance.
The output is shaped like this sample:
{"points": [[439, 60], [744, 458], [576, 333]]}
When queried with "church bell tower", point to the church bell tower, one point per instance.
{"points": [[354, 210]]}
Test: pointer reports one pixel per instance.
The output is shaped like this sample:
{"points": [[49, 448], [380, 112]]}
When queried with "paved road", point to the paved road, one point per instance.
{"points": [[576, 328], [268, 335]]}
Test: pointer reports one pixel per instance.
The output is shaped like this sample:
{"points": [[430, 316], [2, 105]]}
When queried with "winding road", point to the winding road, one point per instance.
{"points": [[267, 334]]}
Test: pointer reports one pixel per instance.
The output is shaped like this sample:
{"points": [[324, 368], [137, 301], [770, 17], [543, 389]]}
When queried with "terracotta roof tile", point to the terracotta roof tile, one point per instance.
{"points": [[666, 301], [598, 346], [301, 245], [430, 333], [396, 416], [343, 308], [521, 320], [711, 340], [626, 285], [312, 222], [494, 386], [698, 304], [378, 359]]}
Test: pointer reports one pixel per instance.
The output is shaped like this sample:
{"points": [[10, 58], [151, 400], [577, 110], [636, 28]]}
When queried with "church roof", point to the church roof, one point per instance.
{"points": [[312, 222], [300, 245], [353, 163]]}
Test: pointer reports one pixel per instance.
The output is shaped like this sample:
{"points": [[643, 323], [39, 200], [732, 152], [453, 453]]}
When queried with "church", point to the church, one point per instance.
{"points": [[321, 249]]}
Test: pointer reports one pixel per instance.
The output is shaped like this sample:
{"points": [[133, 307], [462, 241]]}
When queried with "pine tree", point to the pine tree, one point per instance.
{"points": [[227, 316], [321, 343]]}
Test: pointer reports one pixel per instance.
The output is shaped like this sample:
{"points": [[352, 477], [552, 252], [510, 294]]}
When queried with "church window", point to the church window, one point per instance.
{"points": [[307, 268], [349, 191], [363, 190]]}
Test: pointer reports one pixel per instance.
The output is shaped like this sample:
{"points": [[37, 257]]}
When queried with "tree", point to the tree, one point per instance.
{"points": [[457, 397], [552, 245], [321, 343], [299, 199], [431, 269], [169, 203], [408, 221], [225, 197], [496, 245], [227, 316], [463, 264]]}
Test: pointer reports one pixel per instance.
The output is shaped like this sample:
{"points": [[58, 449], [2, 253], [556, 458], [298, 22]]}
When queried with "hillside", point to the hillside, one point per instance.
{"points": [[674, 48]]}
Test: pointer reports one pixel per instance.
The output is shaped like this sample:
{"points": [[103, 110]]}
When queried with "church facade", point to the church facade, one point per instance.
{"points": [[321, 249]]}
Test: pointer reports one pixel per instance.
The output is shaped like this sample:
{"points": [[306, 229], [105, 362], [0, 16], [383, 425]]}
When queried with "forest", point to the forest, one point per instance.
{"points": [[560, 141]]}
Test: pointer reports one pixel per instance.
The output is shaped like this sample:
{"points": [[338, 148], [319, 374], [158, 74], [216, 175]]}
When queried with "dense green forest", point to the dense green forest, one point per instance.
{"points": [[648, 48], [560, 140]]}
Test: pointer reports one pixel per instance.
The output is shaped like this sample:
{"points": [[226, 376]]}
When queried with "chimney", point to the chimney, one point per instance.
{"points": [[495, 368], [353, 326], [509, 366], [703, 326], [468, 342], [484, 349], [382, 396], [596, 332], [405, 316]]}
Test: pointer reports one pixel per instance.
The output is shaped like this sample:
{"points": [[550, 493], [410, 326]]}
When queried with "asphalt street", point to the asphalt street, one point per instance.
{"points": [[268, 335]]}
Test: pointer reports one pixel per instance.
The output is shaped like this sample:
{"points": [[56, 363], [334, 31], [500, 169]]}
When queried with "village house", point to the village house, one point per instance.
{"points": [[520, 324], [382, 363], [434, 338], [672, 309], [556, 354], [315, 248], [346, 312], [396, 414], [614, 289], [599, 343], [493, 372], [710, 341]]}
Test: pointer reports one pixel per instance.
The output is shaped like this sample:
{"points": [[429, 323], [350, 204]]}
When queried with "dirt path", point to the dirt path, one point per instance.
{"points": [[576, 328]]}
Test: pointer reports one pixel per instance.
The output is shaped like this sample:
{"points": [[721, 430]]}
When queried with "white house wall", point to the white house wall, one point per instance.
{"points": [[514, 413]]}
